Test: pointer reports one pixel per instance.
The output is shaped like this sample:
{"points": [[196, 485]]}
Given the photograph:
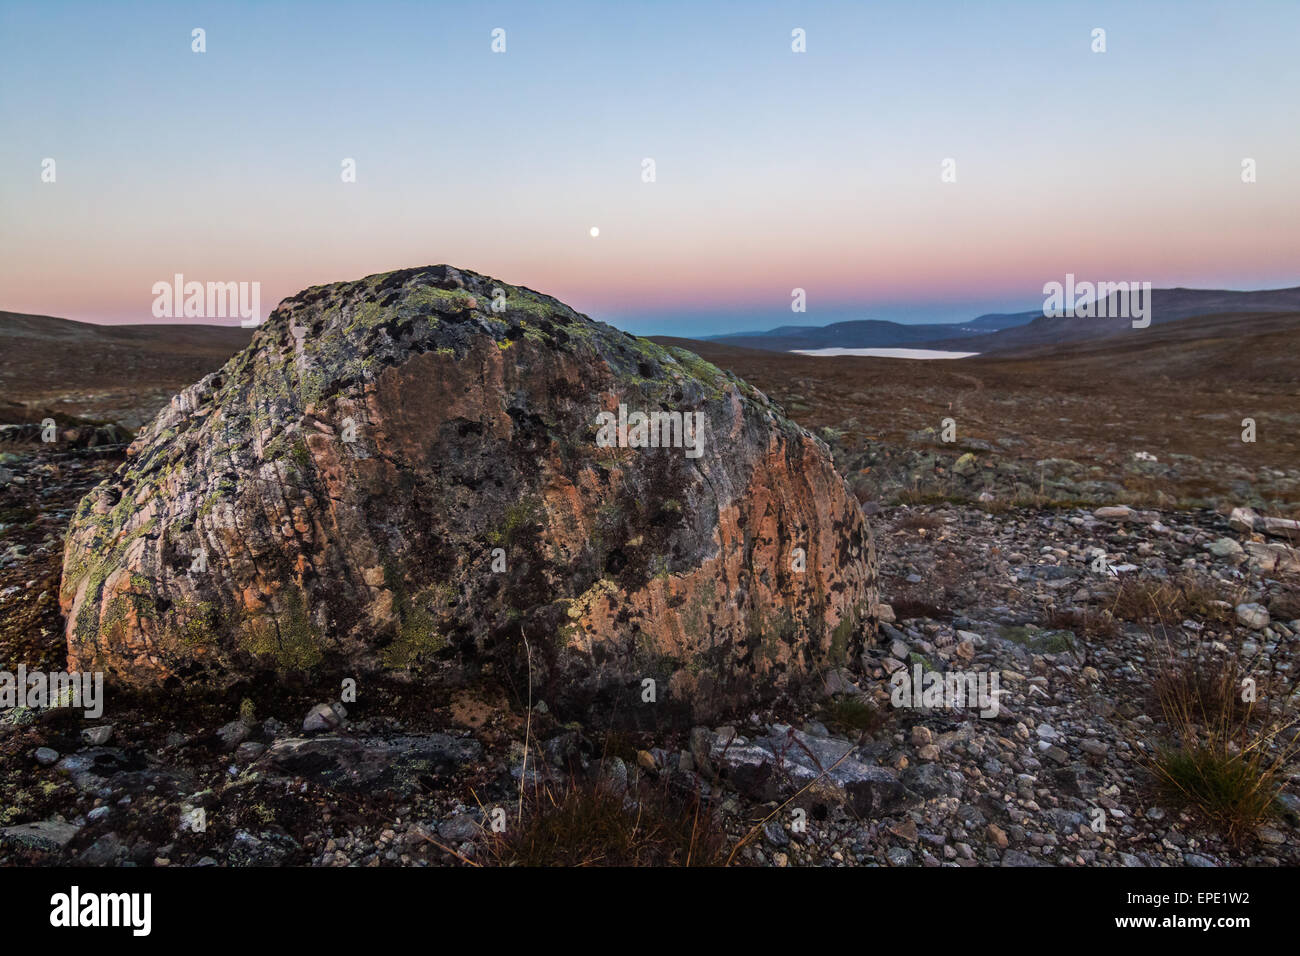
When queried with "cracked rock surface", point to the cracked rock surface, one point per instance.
{"points": [[406, 467]]}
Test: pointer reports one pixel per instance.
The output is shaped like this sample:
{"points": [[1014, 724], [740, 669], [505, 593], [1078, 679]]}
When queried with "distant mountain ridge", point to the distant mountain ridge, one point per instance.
{"points": [[869, 333], [1013, 331]]}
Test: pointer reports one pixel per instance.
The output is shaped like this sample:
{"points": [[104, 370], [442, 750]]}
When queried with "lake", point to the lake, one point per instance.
{"points": [[889, 353]]}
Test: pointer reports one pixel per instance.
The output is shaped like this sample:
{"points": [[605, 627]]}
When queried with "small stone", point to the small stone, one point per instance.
{"points": [[1253, 616], [1243, 519], [906, 830], [921, 735], [45, 756], [1114, 513], [928, 780], [1018, 858], [998, 836], [98, 735], [1225, 548], [105, 851], [614, 775], [459, 829], [324, 717], [1270, 835], [249, 750], [898, 856], [701, 744], [233, 734], [838, 681], [1279, 527], [775, 834]]}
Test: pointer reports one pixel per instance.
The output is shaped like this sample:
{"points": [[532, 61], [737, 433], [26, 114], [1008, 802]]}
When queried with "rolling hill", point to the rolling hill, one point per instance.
{"points": [[1014, 332], [118, 373]]}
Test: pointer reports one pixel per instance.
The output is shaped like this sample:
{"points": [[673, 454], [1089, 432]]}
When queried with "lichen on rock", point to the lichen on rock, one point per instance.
{"points": [[406, 468]]}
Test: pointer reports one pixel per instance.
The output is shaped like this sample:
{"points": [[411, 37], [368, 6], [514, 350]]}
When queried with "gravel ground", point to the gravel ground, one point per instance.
{"points": [[1057, 776]]}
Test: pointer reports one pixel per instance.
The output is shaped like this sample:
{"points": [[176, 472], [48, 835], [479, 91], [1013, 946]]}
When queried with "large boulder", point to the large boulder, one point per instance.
{"points": [[413, 468]]}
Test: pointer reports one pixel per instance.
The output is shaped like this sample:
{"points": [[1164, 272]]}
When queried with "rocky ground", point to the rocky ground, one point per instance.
{"points": [[121, 373], [284, 774], [1174, 421]]}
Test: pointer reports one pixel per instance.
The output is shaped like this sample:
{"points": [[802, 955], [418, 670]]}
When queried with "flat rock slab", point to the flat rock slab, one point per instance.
{"points": [[91, 768], [353, 763], [110, 772], [779, 765], [43, 835]]}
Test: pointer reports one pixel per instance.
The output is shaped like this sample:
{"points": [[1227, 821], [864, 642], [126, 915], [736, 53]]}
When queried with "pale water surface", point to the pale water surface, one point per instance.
{"points": [[890, 353]]}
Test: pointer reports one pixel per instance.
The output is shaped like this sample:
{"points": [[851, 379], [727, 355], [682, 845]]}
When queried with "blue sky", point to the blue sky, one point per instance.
{"points": [[775, 170]]}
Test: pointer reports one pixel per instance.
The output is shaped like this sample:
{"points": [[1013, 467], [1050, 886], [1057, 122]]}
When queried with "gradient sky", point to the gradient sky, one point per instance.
{"points": [[775, 170]]}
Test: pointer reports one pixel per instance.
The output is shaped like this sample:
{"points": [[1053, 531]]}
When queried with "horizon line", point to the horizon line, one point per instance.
{"points": [[235, 322]]}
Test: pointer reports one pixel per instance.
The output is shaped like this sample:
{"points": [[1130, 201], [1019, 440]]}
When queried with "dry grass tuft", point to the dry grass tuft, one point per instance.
{"points": [[919, 522], [1171, 601], [852, 714], [594, 823], [1232, 734], [1089, 624]]}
